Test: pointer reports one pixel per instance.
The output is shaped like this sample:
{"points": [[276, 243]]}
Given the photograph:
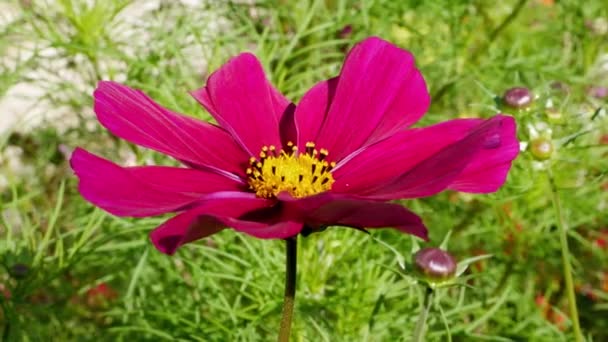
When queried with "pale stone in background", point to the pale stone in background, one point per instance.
{"points": [[23, 106]]}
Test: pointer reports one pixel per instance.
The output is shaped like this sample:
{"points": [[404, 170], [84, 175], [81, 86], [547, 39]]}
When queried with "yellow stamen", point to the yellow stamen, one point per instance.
{"points": [[299, 174]]}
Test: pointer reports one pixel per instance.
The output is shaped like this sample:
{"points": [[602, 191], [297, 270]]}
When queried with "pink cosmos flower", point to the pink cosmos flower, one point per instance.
{"points": [[272, 169]]}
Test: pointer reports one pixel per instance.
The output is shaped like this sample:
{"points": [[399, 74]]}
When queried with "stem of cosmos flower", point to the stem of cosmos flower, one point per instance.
{"points": [[419, 331], [291, 253], [563, 238]]}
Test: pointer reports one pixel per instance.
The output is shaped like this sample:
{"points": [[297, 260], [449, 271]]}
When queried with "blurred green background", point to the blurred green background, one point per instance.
{"points": [[74, 273]]}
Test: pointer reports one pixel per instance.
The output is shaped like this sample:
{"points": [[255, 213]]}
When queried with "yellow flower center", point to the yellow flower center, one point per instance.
{"points": [[299, 174]]}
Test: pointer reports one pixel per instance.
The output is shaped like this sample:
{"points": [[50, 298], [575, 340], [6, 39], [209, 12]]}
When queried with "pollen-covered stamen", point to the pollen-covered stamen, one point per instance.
{"points": [[299, 174]]}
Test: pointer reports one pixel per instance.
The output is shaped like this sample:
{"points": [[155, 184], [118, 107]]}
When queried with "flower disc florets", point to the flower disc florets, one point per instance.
{"points": [[299, 174]]}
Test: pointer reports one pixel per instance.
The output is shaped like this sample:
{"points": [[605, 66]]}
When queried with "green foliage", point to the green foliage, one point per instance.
{"points": [[91, 276]]}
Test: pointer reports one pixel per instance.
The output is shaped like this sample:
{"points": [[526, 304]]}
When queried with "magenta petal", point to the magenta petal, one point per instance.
{"points": [[279, 230], [287, 126], [420, 162], [328, 209], [487, 172], [131, 115], [204, 220], [379, 92], [369, 214], [202, 96], [409, 106], [186, 227], [310, 112], [143, 191], [243, 102]]}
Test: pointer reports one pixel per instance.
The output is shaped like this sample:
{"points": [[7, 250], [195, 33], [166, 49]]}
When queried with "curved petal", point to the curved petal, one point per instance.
{"points": [[143, 191], [311, 110], [186, 227], [328, 209], [379, 92], [369, 214], [421, 162], [278, 230], [133, 116], [287, 126], [487, 172], [206, 219], [244, 103]]}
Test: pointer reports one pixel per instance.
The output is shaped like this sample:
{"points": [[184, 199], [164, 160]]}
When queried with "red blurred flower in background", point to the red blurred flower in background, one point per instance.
{"points": [[99, 295], [271, 168]]}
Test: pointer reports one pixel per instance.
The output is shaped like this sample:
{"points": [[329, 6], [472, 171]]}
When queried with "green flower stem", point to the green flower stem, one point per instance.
{"points": [[567, 269], [420, 325], [290, 287]]}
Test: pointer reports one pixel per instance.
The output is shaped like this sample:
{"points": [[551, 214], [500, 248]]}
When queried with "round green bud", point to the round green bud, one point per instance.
{"points": [[541, 148]]}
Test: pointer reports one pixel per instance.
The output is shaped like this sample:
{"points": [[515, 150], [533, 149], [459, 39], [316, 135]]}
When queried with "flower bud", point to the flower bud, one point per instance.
{"points": [[435, 264], [541, 148], [346, 32], [518, 97]]}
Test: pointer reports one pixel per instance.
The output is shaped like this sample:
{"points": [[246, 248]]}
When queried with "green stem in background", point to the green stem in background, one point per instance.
{"points": [[516, 9], [420, 325], [8, 314], [504, 279], [291, 245], [567, 269], [442, 90]]}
